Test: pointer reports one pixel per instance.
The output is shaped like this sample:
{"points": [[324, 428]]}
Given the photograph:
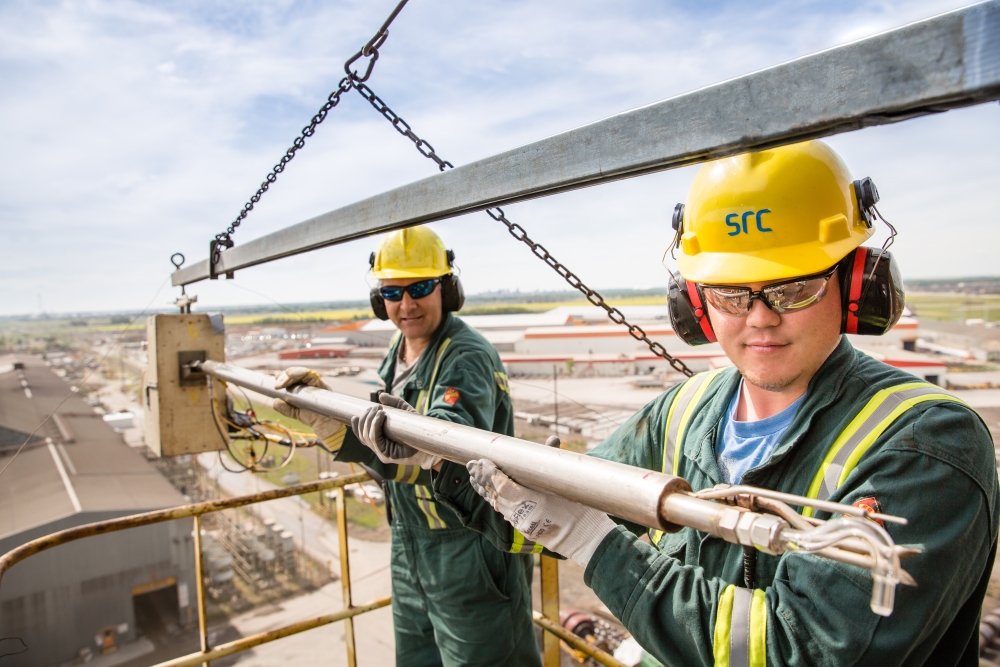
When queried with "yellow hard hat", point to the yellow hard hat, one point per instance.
{"points": [[781, 213], [414, 252]]}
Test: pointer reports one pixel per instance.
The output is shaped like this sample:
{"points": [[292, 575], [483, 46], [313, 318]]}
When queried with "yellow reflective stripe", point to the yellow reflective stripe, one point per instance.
{"points": [[336, 440], [428, 507], [862, 432], [501, 379], [522, 545], [406, 474], [686, 416], [423, 399], [699, 385], [515, 546], [723, 622], [758, 629], [740, 637], [864, 445]]}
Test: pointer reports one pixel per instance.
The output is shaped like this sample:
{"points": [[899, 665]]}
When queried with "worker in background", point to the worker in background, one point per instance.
{"points": [[456, 600], [772, 267]]}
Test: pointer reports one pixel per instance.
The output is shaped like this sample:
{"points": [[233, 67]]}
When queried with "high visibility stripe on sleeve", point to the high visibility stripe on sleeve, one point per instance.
{"points": [[406, 474], [740, 637], [879, 413], [335, 441], [502, 380], [678, 415], [522, 545]]}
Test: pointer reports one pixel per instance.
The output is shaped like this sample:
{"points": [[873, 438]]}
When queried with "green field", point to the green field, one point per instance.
{"points": [[954, 307]]}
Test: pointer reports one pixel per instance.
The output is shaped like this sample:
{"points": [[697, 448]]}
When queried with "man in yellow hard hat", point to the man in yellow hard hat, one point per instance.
{"points": [[772, 267], [456, 599]]}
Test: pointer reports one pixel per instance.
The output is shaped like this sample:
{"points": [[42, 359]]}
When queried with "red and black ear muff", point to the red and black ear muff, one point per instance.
{"points": [[688, 315], [871, 291]]}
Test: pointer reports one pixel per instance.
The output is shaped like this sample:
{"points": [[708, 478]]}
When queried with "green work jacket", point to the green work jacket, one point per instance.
{"points": [[458, 378], [930, 460], [933, 464]]}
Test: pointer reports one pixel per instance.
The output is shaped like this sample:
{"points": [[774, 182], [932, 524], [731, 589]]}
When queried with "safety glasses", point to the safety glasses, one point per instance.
{"points": [[416, 290], [783, 297]]}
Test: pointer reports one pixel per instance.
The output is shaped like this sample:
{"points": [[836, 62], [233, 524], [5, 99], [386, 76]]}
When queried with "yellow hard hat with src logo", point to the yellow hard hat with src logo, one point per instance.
{"points": [[781, 213]]}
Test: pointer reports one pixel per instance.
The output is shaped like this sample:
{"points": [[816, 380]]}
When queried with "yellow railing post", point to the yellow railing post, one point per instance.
{"points": [[550, 609], [199, 574], [345, 576]]}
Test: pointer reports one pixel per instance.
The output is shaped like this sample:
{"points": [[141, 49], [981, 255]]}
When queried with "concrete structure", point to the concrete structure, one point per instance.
{"points": [[97, 590]]}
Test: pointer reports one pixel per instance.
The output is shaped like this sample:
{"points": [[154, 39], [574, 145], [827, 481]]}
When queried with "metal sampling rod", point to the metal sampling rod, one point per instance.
{"points": [[641, 496], [623, 491]]}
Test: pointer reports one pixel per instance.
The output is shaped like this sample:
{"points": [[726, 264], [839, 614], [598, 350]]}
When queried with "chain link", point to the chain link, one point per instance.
{"points": [[352, 78], [519, 233], [401, 125], [593, 296]]}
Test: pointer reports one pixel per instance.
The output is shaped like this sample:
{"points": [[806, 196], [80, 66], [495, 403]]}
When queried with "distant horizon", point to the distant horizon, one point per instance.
{"points": [[266, 307]]}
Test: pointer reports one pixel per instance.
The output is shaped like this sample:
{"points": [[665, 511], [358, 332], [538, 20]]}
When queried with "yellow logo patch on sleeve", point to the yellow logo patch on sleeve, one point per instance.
{"points": [[451, 396]]}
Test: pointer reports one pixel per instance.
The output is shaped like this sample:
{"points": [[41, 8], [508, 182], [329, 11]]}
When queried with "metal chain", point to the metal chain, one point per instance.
{"points": [[401, 126], [518, 232], [615, 315], [369, 50]]}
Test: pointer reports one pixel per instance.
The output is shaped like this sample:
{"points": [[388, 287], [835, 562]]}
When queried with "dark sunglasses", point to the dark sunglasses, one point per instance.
{"points": [[788, 295], [416, 290]]}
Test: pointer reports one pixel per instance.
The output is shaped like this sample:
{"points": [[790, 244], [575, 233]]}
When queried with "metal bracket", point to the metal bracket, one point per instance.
{"points": [[189, 374]]}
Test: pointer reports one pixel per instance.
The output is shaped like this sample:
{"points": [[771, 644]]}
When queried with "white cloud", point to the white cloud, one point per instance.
{"points": [[132, 131]]}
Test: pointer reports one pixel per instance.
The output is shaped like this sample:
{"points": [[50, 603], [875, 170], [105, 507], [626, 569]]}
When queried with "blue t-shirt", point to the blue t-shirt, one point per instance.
{"points": [[746, 445]]}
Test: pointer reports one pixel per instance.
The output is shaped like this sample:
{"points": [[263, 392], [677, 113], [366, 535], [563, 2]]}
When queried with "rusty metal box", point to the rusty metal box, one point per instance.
{"points": [[178, 414]]}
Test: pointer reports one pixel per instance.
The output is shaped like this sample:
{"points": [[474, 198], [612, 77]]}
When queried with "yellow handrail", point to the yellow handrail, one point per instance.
{"points": [[549, 622]]}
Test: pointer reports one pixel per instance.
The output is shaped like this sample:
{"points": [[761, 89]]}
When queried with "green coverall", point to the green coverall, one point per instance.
{"points": [[456, 600], [685, 599]]}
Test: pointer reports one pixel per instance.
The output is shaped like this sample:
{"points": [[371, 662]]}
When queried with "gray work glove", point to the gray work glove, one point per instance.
{"points": [[370, 430], [329, 430], [560, 525]]}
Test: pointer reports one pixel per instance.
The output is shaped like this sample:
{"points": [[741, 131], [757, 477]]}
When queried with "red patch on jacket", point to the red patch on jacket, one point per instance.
{"points": [[870, 504], [451, 396]]}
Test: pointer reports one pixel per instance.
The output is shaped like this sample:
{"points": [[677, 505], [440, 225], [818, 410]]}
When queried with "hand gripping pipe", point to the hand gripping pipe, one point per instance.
{"points": [[645, 497]]}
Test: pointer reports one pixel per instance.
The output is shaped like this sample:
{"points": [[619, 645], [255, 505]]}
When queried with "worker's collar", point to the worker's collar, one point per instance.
{"points": [[429, 354], [824, 388]]}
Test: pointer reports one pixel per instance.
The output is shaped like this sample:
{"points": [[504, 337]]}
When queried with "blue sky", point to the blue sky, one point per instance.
{"points": [[134, 130]]}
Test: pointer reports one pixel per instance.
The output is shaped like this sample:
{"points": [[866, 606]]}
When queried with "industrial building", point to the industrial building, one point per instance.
{"points": [[578, 341], [97, 594]]}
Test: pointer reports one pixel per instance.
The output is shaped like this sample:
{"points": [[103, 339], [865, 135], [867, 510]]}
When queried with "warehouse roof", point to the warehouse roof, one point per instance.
{"points": [[91, 470]]}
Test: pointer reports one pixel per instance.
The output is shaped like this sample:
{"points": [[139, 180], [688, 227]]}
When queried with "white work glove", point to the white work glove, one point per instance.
{"points": [[560, 525], [370, 430], [325, 427]]}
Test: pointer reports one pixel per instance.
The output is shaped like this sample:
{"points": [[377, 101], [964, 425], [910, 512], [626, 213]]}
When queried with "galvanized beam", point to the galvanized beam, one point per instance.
{"points": [[942, 63]]}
